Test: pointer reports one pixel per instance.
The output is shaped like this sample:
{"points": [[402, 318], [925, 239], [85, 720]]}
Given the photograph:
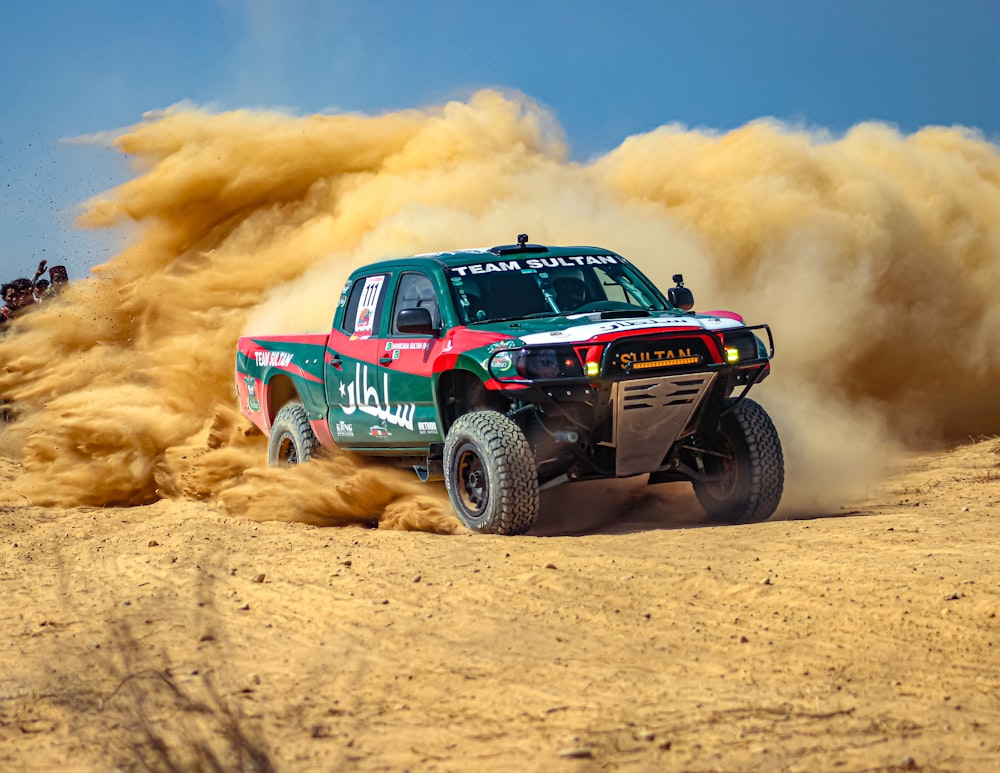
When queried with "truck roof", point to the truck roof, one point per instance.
{"points": [[477, 255]]}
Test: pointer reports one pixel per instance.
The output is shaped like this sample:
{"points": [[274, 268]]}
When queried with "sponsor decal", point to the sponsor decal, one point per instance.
{"points": [[522, 264], [588, 331], [395, 346], [502, 361], [658, 357], [272, 359], [252, 402], [344, 293], [380, 430], [507, 343], [364, 397], [427, 427], [364, 322], [343, 429], [370, 295]]}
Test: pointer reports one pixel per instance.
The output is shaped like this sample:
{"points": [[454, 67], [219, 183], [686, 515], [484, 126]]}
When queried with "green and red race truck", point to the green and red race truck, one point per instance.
{"points": [[511, 369]]}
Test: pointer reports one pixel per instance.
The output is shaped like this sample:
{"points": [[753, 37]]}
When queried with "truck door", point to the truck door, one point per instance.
{"points": [[405, 366], [352, 390]]}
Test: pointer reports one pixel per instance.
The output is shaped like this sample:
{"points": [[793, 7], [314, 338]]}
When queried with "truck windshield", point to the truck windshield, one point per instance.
{"points": [[489, 292]]}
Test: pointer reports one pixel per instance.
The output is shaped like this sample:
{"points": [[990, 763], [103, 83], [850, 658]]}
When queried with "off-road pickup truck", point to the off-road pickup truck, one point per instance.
{"points": [[519, 367]]}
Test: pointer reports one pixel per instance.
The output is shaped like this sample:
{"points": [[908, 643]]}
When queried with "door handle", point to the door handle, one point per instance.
{"points": [[385, 360], [334, 360]]}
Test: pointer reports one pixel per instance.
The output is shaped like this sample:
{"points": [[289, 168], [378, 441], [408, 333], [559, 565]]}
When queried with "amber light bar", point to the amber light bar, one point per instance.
{"points": [[662, 363]]}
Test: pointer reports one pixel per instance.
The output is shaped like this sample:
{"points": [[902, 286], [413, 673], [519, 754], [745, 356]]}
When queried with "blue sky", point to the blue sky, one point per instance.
{"points": [[607, 70]]}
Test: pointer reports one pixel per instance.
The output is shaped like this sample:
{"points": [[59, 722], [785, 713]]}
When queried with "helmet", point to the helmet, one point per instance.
{"points": [[570, 288]]}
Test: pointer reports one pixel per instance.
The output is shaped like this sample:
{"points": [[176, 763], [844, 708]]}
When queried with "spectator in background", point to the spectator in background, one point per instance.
{"points": [[43, 290], [7, 293], [17, 295], [59, 278], [24, 292]]}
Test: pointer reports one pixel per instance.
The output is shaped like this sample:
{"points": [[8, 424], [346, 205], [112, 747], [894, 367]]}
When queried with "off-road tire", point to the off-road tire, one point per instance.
{"points": [[292, 439], [490, 474], [747, 453]]}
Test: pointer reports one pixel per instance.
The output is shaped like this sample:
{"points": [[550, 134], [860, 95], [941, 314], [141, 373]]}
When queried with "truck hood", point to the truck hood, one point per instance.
{"points": [[579, 328]]}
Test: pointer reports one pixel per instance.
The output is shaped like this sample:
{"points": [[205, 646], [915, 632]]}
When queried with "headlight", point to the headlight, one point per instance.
{"points": [[536, 364], [741, 346], [548, 363]]}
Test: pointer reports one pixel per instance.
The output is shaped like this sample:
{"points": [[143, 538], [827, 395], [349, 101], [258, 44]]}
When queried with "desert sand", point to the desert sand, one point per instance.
{"points": [[169, 634]]}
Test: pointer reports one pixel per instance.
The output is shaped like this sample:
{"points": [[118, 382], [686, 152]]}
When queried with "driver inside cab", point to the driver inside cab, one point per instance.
{"points": [[571, 292]]}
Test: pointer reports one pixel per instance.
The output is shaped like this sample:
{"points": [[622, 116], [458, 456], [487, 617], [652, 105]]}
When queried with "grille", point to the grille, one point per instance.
{"points": [[661, 354]]}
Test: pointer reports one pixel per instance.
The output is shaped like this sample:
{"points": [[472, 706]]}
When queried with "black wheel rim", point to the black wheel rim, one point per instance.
{"points": [[286, 451], [725, 470], [473, 481]]}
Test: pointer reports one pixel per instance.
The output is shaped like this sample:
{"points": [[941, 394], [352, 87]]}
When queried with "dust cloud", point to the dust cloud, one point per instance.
{"points": [[873, 256]]}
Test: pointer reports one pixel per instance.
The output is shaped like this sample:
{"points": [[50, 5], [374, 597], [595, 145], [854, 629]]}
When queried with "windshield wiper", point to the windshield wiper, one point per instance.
{"points": [[518, 318]]}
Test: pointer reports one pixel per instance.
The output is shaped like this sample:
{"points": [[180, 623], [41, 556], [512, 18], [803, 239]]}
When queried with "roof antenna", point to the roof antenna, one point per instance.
{"points": [[522, 240]]}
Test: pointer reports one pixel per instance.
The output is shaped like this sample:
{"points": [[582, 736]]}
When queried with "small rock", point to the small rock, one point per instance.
{"points": [[417, 578], [245, 606], [320, 731], [152, 544], [577, 753], [259, 578], [33, 726], [550, 566]]}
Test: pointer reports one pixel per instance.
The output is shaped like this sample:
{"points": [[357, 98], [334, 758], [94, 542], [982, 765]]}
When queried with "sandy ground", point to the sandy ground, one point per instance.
{"points": [[174, 635]]}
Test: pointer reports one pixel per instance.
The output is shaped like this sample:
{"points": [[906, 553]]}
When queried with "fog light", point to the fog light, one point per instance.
{"points": [[732, 355], [593, 368]]}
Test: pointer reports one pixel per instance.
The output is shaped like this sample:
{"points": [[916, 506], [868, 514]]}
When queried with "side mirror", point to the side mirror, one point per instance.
{"points": [[416, 321], [680, 297]]}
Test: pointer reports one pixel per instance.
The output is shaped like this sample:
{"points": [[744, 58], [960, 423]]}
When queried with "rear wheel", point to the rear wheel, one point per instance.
{"points": [[490, 474], [292, 438], [744, 459]]}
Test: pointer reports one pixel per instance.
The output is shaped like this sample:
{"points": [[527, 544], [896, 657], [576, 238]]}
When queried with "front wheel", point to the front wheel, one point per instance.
{"points": [[745, 463], [292, 438], [490, 474]]}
